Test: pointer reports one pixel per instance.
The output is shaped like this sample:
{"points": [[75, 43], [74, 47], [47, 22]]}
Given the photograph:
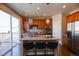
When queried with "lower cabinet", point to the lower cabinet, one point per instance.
{"points": [[65, 40]]}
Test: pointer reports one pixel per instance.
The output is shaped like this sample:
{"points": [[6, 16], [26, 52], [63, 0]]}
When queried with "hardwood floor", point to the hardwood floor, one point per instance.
{"points": [[65, 51]]}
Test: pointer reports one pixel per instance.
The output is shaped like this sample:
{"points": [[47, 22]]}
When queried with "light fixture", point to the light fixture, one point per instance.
{"points": [[64, 6], [25, 14], [44, 14], [30, 3], [38, 8], [47, 21], [30, 21]]}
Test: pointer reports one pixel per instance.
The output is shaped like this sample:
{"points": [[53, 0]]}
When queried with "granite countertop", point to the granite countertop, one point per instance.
{"points": [[39, 37]]}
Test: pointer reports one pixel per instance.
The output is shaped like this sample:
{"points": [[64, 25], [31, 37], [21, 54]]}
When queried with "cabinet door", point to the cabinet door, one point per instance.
{"points": [[39, 24], [76, 15], [70, 18], [65, 40]]}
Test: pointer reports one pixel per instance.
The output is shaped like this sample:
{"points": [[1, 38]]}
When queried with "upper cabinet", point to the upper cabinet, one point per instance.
{"points": [[70, 18], [41, 23], [76, 15], [73, 17]]}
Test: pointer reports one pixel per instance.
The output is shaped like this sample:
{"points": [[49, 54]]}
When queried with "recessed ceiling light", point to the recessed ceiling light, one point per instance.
{"points": [[38, 8], [30, 3], [25, 14], [64, 6]]}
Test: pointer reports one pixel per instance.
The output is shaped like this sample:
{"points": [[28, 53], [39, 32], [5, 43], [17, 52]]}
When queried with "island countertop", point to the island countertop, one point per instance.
{"points": [[39, 38]]}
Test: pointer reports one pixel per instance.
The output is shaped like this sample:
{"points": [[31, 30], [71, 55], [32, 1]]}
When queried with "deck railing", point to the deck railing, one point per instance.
{"points": [[5, 37]]}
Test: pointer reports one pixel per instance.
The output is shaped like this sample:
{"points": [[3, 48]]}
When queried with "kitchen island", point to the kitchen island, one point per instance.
{"points": [[37, 39]]}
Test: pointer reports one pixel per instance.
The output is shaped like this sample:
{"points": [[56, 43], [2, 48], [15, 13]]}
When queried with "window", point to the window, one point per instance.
{"points": [[4, 22], [15, 29], [15, 25], [9, 35], [77, 27], [69, 26]]}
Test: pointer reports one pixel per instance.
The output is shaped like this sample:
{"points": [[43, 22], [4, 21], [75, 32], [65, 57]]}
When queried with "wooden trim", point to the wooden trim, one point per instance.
{"points": [[72, 13], [13, 10], [9, 10]]}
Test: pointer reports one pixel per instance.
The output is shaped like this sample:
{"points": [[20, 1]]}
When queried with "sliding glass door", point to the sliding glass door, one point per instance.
{"points": [[15, 35], [9, 33], [5, 33], [15, 29], [4, 27]]}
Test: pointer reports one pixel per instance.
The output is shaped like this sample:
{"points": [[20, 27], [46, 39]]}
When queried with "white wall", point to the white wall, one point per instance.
{"points": [[57, 26]]}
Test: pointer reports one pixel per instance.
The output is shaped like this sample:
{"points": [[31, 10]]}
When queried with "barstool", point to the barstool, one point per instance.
{"points": [[28, 46], [52, 45], [41, 46]]}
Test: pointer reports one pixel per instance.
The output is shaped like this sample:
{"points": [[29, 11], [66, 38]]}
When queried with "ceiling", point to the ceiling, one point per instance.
{"points": [[46, 9]]}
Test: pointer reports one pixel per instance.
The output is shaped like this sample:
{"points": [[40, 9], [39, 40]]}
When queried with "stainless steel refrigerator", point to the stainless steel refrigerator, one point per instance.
{"points": [[73, 36]]}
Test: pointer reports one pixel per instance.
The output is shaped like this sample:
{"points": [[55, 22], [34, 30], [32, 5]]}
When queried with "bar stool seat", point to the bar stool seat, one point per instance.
{"points": [[28, 46], [41, 46], [52, 45]]}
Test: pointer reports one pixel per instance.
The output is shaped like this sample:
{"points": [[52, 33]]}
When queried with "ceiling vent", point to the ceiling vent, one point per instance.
{"points": [[47, 3]]}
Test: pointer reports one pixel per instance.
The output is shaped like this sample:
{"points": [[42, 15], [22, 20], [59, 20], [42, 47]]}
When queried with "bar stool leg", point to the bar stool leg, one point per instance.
{"points": [[24, 52], [53, 53], [35, 51], [45, 51]]}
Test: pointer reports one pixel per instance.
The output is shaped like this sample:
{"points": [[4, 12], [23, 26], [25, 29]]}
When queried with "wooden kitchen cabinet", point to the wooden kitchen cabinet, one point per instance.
{"points": [[70, 18], [65, 40], [73, 17], [76, 15]]}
